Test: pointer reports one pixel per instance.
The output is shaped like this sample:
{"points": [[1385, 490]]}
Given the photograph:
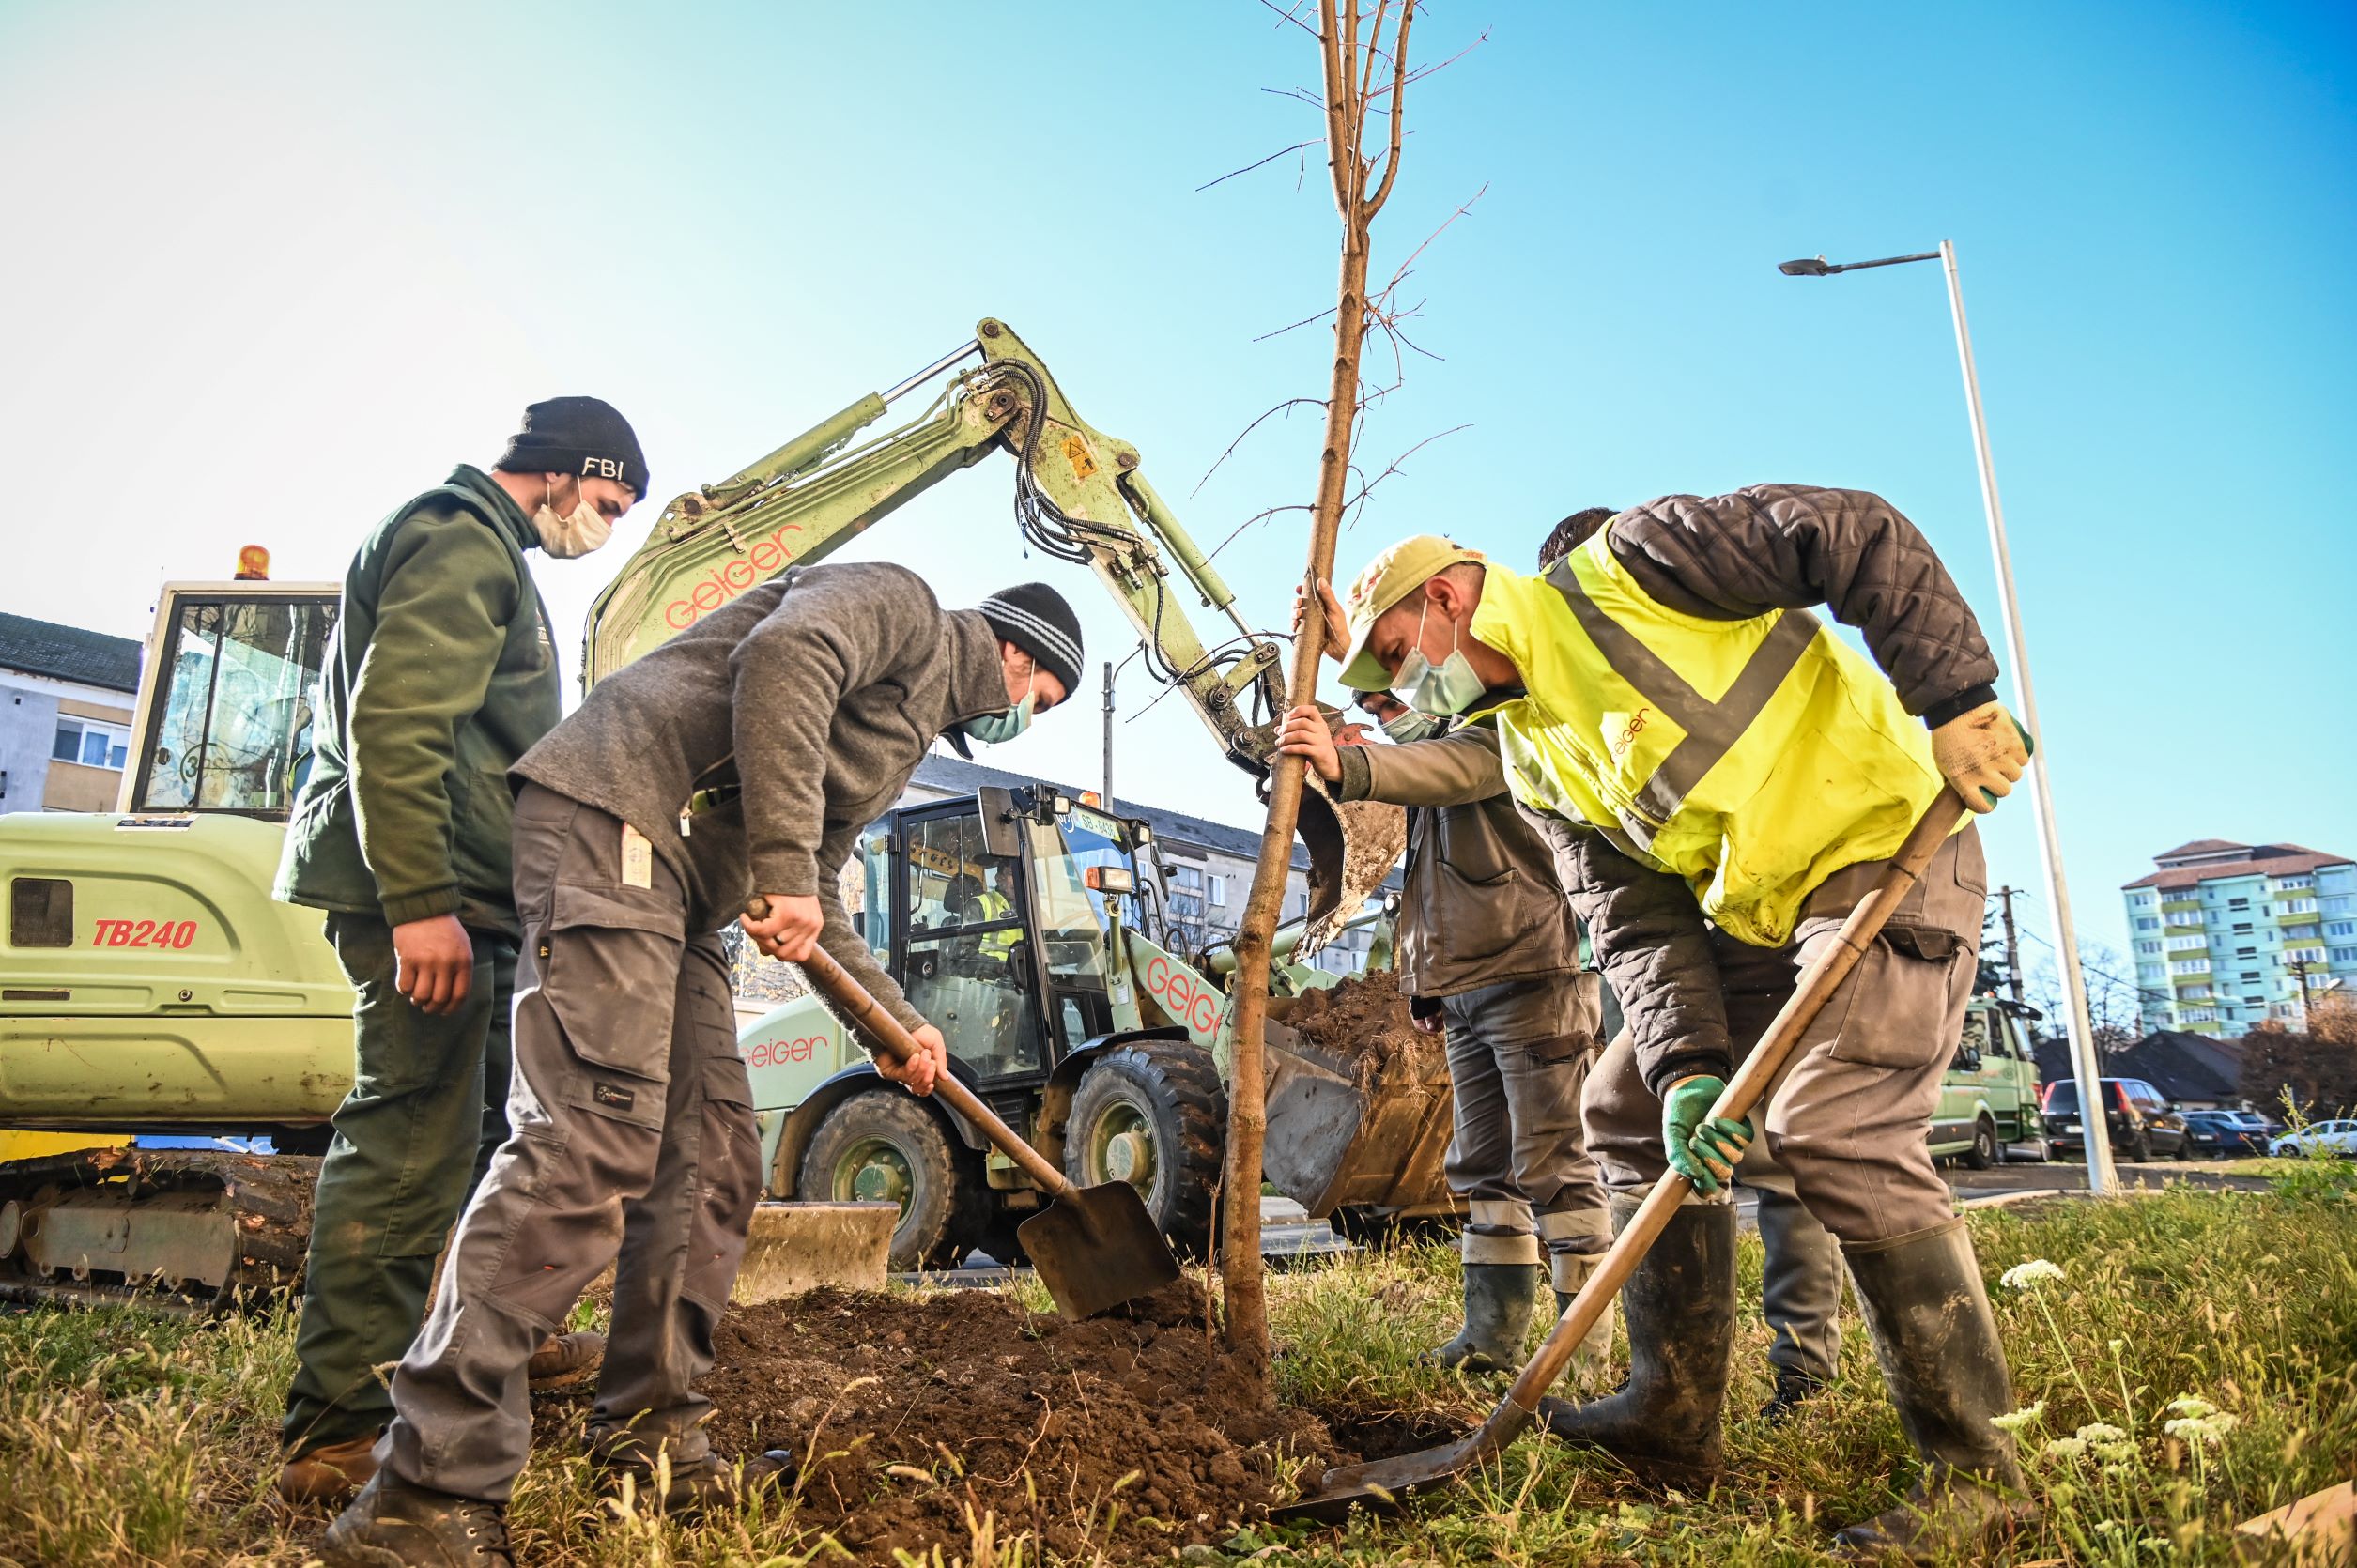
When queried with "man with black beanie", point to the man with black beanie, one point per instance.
{"points": [[745, 755], [441, 675]]}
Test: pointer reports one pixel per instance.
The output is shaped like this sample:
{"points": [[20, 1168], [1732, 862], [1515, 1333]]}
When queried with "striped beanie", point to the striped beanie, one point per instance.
{"points": [[1035, 618]]}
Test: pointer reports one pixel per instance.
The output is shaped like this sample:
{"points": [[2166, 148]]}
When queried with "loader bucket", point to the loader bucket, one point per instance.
{"points": [[1342, 1137]]}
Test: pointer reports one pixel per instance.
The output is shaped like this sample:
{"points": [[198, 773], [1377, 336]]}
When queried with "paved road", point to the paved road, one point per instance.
{"points": [[1289, 1237]]}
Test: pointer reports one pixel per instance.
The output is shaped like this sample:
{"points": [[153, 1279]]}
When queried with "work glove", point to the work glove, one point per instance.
{"points": [[1702, 1148], [1981, 754]]}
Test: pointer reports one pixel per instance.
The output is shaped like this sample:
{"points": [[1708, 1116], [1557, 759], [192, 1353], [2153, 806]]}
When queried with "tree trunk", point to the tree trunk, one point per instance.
{"points": [[1247, 1127]]}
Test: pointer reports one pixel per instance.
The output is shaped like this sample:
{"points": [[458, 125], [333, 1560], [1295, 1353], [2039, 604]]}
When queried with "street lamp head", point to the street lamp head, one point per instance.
{"points": [[1808, 267]]}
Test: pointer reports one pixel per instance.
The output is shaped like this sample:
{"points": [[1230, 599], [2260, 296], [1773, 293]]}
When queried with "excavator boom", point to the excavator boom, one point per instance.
{"points": [[1080, 495]]}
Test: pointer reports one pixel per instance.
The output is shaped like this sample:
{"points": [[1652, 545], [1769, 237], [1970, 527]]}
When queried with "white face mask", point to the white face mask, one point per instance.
{"points": [[577, 533]]}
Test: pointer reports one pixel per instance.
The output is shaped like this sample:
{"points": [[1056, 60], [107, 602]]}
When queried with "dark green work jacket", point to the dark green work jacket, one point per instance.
{"points": [[439, 677]]}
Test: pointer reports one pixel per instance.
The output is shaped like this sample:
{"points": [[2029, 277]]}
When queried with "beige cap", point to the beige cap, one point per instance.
{"points": [[1387, 579]]}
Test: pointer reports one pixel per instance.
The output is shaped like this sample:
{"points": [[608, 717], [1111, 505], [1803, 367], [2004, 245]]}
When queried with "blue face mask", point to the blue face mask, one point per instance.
{"points": [[1440, 690], [1411, 725], [1001, 726]]}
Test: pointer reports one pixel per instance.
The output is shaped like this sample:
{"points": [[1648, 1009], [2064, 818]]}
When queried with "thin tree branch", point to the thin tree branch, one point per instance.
{"points": [[1282, 408], [1249, 167], [1261, 517], [1398, 113], [1287, 15], [1303, 322]]}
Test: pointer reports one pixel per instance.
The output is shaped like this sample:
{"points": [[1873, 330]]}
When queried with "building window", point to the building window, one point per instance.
{"points": [[2148, 946], [2298, 906], [2190, 966], [2303, 955], [2295, 882], [1218, 890], [2341, 927], [91, 743], [2300, 933], [2237, 903], [2344, 954], [2148, 923], [2336, 903]]}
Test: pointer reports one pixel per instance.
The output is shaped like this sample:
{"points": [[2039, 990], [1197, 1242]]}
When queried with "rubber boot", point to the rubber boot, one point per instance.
{"points": [[1680, 1304], [1937, 1343], [1595, 1349], [1498, 1301], [392, 1524], [1800, 1295]]}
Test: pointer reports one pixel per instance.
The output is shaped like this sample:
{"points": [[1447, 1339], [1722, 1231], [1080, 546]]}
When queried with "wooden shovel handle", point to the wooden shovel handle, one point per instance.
{"points": [[881, 1029], [1815, 986]]}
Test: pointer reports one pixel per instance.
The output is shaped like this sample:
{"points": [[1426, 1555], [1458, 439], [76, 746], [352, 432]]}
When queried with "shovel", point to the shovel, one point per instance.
{"points": [[1094, 1246], [1382, 1481]]}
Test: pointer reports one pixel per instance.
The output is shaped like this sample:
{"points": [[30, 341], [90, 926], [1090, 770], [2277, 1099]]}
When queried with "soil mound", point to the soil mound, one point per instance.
{"points": [[925, 1408], [1363, 1020]]}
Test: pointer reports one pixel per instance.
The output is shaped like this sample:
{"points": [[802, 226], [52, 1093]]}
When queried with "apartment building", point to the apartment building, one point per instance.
{"points": [[2228, 936], [66, 700]]}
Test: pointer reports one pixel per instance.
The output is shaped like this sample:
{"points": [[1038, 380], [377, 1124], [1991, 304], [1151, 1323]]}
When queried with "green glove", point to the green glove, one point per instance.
{"points": [[1702, 1148]]}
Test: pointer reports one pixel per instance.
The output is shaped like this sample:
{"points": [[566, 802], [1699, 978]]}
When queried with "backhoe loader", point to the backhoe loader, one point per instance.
{"points": [[150, 985]]}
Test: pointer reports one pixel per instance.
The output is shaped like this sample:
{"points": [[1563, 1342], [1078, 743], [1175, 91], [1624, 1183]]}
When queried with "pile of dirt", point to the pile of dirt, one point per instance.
{"points": [[1363, 1020], [921, 1409]]}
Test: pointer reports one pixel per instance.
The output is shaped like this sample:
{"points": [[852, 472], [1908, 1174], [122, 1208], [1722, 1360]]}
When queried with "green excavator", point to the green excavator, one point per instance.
{"points": [[150, 986]]}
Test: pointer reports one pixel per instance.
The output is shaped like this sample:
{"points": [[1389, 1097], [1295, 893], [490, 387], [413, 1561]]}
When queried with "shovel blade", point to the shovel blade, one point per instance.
{"points": [[1380, 1485], [1098, 1249]]}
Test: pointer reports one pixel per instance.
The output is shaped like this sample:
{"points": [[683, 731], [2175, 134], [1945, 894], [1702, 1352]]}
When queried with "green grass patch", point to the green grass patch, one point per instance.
{"points": [[127, 1438]]}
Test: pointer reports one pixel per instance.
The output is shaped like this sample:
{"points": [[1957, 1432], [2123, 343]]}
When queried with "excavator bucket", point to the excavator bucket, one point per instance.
{"points": [[1352, 847]]}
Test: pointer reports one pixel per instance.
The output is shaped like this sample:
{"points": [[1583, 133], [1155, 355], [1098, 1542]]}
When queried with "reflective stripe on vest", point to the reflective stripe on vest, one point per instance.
{"points": [[1711, 728]]}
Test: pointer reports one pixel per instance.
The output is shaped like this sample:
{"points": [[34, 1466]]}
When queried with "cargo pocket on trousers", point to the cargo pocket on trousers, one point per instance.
{"points": [[1898, 1013], [729, 1177], [609, 961]]}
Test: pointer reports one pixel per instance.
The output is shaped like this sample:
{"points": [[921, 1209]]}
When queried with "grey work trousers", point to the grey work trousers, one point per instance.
{"points": [[633, 1144], [1518, 1054], [1849, 1114]]}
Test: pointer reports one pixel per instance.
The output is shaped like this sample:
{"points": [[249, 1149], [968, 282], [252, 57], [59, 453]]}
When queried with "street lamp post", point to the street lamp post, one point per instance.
{"points": [[2099, 1175]]}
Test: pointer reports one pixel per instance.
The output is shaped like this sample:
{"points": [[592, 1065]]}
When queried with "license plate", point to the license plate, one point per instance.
{"points": [[2073, 1127]]}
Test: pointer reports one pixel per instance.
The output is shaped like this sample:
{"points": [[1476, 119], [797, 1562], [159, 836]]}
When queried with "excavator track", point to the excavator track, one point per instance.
{"points": [[176, 1229]]}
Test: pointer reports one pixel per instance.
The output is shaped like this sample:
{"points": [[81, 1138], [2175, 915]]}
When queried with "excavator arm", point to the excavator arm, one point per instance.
{"points": [[1080, 496]]}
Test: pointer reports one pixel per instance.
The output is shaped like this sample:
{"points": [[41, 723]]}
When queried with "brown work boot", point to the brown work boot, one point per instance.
{"points": [[699, 1486], [392, 1524], [1937, 1343], [564, 1360], [1680, 1308], [330, 1473]]}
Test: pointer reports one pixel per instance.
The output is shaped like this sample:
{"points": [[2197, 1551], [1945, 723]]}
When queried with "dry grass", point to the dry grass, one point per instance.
{"points": [[131, 1439]]}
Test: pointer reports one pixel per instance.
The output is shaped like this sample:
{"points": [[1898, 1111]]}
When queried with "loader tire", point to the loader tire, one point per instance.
{"points": [[1153, 1114], [881, 1145]]}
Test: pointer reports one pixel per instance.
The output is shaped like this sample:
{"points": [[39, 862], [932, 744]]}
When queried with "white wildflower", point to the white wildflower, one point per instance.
{"points": [[2192, 1406], [2101, 1432], [2115, 1345], [2022, 1275], [2116, 1470], [2065, 1448], [2013, 1420], [2203, 1429]]}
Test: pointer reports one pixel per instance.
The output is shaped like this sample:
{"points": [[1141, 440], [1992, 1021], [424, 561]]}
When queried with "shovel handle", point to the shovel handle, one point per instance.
{"points": [[867, 1015], [1815, 986]]}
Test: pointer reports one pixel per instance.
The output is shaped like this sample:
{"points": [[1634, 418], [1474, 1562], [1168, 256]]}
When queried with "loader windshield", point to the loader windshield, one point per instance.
{"points": [[1071, 915], [229, 725]]}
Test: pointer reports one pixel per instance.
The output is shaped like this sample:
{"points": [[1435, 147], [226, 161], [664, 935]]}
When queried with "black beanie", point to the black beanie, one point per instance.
{"points": [[1035, 618], [585, 436]]}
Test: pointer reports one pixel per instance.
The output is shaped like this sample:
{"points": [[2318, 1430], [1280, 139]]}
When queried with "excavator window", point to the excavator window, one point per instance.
{"points": [[967, 956], [230, 729]]}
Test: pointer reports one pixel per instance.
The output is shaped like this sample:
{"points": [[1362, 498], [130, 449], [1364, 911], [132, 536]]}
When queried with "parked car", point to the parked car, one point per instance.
{"points": [[1989, 1094], [2339, 1137], [2139, 1122], [2219, 1134]]}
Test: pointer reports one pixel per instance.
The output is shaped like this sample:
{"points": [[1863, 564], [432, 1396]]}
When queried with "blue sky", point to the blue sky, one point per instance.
{"points": [[270, 269]]}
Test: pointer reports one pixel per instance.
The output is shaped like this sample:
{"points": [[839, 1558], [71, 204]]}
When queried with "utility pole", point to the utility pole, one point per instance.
{"points": [[1109, 736], [2012, 944], [2299, 968]]}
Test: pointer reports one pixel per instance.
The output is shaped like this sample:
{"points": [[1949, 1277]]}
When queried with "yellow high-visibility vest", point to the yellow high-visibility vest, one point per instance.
{"points": [[992, 905], [1751, 758]]}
